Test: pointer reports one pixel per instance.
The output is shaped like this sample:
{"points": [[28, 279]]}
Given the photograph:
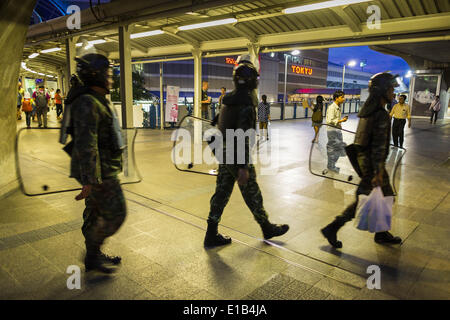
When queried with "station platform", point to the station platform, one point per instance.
{"points": [[161, 241]]}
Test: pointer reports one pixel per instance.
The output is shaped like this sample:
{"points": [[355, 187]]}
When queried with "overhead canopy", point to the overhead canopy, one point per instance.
{"points": [[262, 23]]}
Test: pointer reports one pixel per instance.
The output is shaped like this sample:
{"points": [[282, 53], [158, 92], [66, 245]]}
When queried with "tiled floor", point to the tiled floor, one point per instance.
{"points": [[161, 240]]}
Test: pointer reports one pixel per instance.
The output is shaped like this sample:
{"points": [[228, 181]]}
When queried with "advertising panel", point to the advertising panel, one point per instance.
{"points": [[424, 89], [171, 114]]}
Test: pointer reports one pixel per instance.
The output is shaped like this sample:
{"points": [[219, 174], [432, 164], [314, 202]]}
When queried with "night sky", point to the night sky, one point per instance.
{"points": [[376, 61]]}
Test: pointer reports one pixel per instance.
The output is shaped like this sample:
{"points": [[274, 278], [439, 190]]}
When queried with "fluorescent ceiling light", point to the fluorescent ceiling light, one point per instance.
{"points": [[322, 5], [92, 42], [146, 34], [33, 55], [208, 24], [50, 50], [295, 52], [41, 74]]}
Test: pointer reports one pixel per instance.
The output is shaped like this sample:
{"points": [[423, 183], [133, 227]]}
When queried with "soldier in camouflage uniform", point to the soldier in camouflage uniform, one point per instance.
{"points": [[239, 112], [372, 142], [96, 151]]}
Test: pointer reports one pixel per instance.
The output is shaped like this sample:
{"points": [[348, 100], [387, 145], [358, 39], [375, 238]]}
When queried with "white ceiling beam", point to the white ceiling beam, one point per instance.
{"points": [[349, 18]]}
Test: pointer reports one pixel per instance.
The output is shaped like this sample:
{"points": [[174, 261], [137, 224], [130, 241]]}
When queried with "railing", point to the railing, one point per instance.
{"points": [[150, 117], [279, 111]]}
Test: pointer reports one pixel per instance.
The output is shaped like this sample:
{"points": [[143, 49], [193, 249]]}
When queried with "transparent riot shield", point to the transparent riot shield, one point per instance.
{"points": [[328, 158], [194, 144], [43, 167]]}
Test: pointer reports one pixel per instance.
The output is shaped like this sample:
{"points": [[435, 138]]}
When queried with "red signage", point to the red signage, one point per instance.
{"points": [[302, 70], [230, 61]]}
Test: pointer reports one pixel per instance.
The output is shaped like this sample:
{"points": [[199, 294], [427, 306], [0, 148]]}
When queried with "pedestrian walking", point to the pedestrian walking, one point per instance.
{"points": [[239, 113], [372, 141], [435, 107], [96, 152]]}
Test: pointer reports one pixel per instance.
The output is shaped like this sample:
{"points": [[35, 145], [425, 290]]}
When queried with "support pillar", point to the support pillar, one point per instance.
{"points": [[253, 51], [70, 61], [126, 97], [126, 81], [161, 94], [197, 54]]}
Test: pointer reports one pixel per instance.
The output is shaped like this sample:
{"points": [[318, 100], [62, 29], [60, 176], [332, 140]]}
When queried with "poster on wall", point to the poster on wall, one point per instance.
{"points": [[424, 90], [171, 114], [30, 85]]}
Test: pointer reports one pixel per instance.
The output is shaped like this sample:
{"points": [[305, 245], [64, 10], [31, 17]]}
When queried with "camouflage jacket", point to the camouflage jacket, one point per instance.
{"points": [[239, 112], [94, 156], [373, 139]]}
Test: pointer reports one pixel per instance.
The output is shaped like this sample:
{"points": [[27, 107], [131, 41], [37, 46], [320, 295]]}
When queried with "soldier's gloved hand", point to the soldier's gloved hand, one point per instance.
{"points": [[377, 181], [85, 191], [243, 176]]}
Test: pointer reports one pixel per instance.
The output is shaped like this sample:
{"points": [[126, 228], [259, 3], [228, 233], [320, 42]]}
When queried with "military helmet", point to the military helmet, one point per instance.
{"points": [[92, 69], [381, 82], [245, 74]]}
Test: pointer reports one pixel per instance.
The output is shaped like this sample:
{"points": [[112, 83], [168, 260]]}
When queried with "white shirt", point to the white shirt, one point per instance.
{"points": [[334, 115]]}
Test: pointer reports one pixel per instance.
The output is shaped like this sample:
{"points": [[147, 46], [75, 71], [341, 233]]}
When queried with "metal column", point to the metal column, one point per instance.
{"points": [[161, 94], [70, 61], [126, 97], [126, 81], [253, 51], [197, 54], [198, 148]]}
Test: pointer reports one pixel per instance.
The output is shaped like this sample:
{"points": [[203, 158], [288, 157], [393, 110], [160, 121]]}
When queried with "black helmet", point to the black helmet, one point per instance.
{"points": [[381, 82], [245, 75], [92, 69]]}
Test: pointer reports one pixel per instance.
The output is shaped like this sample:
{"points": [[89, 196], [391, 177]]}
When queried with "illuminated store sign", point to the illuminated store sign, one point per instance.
{"points": [[230, 61], [301, 70]]}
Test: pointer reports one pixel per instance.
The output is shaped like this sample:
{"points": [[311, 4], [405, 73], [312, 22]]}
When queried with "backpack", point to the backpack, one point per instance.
{"points": [[317, 114], [41, 100]]}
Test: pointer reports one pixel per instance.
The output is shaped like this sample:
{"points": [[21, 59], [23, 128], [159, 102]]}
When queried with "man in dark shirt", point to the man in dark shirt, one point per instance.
{"points": [[206, 101]]}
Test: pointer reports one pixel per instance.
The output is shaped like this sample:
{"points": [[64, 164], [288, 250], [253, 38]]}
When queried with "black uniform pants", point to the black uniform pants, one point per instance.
{"points": [[435, 115], [398, 128]]}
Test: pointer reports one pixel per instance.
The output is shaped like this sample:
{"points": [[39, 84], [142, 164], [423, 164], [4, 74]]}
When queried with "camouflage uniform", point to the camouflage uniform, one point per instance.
{"points": [[97, 162], [372, 139], [238, 112]]}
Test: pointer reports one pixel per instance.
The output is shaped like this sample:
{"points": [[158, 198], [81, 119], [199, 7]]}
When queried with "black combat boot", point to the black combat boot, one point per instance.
{"points": [[115, 260], [386, 238], [96, 260], [330, 232], [213, 238], [271, 230]]}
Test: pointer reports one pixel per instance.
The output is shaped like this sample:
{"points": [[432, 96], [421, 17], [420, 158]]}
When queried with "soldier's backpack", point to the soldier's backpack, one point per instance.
{"points": [[41, 100]]}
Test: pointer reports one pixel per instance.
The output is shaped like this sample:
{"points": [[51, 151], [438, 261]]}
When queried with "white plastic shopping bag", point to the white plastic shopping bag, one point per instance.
{"points": [[374, 212]]}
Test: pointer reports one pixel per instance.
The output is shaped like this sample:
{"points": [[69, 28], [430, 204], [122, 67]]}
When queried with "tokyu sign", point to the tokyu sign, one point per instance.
{"points": [[229, 60], [302, 70]]}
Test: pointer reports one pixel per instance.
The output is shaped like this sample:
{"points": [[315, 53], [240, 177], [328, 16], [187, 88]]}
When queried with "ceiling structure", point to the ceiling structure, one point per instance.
{"points": [[263, 23]]}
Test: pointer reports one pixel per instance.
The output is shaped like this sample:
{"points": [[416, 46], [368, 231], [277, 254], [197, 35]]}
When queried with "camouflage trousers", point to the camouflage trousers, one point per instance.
{"points": [[251, 193], [104, 214], [365, 187]]}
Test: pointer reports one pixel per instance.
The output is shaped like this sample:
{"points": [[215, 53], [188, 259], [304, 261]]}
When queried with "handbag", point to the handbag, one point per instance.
{"points": [[374, 212]]}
